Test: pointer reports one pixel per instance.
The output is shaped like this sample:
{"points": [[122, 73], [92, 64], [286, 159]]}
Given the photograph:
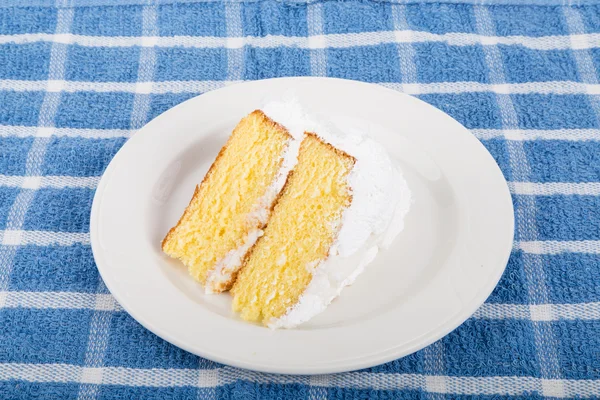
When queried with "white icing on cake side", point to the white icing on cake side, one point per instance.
{"points": [[222, 273], [225, 269], [380, 200]]}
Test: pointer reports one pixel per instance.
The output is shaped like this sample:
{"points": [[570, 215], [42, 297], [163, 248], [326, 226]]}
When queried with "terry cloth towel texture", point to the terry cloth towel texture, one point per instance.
{"points": [[79, 77]]}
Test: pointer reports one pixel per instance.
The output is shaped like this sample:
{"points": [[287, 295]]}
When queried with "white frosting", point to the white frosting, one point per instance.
{"points": [[223, 272], [380, 200]]}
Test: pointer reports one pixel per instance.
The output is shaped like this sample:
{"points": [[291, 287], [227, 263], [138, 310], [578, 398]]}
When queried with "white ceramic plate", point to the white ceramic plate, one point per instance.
{"points": [[454, 248]]}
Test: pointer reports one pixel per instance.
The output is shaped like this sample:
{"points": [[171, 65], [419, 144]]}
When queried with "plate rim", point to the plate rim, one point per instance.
{"points": [[390, 354]]}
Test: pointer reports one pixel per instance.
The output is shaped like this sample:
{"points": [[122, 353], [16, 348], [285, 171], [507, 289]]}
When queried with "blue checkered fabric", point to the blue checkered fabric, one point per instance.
{"points": [[79, 77]]}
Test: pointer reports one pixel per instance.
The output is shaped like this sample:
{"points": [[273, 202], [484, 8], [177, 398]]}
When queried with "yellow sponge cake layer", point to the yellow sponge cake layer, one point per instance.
{"points": [[219, 220], [301, 229]]}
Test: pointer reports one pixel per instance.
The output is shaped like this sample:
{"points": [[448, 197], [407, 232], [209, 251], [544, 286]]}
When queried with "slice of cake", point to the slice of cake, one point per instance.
{"points": [[343, 200], [231, 206]]}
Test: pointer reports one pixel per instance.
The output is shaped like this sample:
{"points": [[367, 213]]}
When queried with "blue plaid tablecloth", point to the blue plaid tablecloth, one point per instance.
{"points": [[78, 77]]}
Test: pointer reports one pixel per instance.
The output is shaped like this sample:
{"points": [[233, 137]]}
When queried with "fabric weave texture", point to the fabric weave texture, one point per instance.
{"points": [[78, 77]]}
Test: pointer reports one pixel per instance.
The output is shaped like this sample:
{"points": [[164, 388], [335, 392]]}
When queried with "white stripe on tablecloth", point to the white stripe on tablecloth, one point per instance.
{"points": [[540, 312], [105, 302], [434, 366], [315, 40], [554, 87], [318, 387], [60, 300], [143, 88], [59, 182], [536, 134], [526, 228], [406, 51], [28, 131], [97, 343], [555, 188], [234, 29], [483, 134], [42, 238], [147, 86], [206, 383], [465, 385], [557, 247]]}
